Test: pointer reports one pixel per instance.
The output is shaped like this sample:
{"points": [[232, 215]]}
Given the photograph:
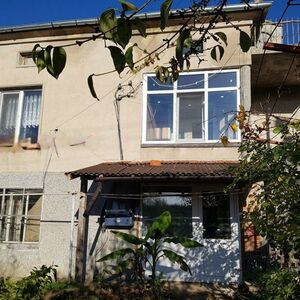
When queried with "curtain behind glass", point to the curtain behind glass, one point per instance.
{"points": [[30, 116], [8, 118]]}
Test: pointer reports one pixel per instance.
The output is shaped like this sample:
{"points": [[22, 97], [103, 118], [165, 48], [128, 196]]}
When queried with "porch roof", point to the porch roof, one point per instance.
{"points": [[156, 169]]}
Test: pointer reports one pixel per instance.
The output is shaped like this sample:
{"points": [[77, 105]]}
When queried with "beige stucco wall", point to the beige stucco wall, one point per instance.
{"points": [[68, 106]]}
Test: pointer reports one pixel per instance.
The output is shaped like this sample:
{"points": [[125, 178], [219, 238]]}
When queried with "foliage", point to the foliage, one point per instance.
{"points": [[279, 284], [116, 27], [31, 287], [149, 250], [273, 167]]}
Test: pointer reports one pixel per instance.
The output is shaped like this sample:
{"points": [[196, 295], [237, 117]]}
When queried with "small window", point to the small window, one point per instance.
{"points": [[216, 216], [25, 59], [19, 116], [179, 204], [20, 214]]}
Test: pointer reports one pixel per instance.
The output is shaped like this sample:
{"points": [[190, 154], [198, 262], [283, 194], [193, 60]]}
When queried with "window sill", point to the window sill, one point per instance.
{"points": [[191, 145], [23, 145], [19, 245]]}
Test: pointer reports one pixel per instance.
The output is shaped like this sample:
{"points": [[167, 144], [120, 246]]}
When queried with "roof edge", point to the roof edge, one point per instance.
{"points": [[145, 16]]}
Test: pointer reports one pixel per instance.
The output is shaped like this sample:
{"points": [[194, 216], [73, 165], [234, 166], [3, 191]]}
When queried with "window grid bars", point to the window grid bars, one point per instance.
{"points": [[8, 216]]}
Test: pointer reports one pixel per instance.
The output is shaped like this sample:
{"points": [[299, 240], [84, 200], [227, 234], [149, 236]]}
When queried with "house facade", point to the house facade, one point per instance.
{"points": [[66, 164]]}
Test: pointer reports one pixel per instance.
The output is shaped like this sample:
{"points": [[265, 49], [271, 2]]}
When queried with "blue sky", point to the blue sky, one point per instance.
{"points": [[16, 12]]}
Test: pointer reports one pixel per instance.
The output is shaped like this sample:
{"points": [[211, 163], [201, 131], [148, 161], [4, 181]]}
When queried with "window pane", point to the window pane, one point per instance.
{"points": [[226, 79], [222, 107], [216, 216], [195, 81], [8, 118], [17, 209], [180, 207], [30, 116], [159, 117], [32, 229], [154, 84], [191, 112]]}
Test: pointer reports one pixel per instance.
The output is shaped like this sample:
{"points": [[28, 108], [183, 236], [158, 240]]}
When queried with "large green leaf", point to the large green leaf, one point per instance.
{"points": [[124, 32], [136, 22], [183, 36], [118, 58], [116, 254], [59, 59], [128, 6], [245, 41], [35, 52], [164, 13], [91, 87], [130, 238], [108, 23], [160, 225], [187, 243], [129, 57], [176, 258]]}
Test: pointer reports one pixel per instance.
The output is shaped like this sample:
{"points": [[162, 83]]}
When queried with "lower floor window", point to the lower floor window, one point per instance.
{"points": [[179, 204], [216, 216], [20, 214]]}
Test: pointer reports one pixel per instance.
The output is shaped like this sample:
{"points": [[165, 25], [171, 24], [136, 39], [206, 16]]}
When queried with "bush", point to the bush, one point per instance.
{"points": [[281, 284], [31, 287]]}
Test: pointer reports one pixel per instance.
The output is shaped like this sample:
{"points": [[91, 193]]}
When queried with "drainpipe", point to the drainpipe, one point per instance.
{"points": [[71, 237], [82, 234]]}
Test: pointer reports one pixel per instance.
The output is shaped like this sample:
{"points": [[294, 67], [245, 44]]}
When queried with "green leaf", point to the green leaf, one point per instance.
{"points": [[160, 225], [277, 129], [175, 258], [213, 52], [164, 13], [184, 34], [48, 60], [116, 254], [140, 26], [124, 32], [59, 60], [245, 41], [127, 6], [91, 87], [162, 74], [130, 238], [35, 52], [40, 61], [129, 57], [187, 243], [118, 58], [108, 23], [222, 36]]}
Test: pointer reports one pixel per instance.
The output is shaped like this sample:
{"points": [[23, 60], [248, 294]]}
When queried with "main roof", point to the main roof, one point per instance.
{"points": [[157, 169]]}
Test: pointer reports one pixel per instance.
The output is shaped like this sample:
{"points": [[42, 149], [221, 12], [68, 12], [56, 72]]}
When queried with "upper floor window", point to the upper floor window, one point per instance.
{"points": [[19, 116], [198, 107], [20, 213]]}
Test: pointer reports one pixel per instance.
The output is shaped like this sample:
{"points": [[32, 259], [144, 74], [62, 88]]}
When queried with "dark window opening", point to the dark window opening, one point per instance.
{"points": [[216, 216]]}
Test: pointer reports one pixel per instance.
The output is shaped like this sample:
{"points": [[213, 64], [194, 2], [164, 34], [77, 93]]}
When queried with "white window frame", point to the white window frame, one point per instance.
{"points": [[175, 91], [19, 109], [25, 194]]}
